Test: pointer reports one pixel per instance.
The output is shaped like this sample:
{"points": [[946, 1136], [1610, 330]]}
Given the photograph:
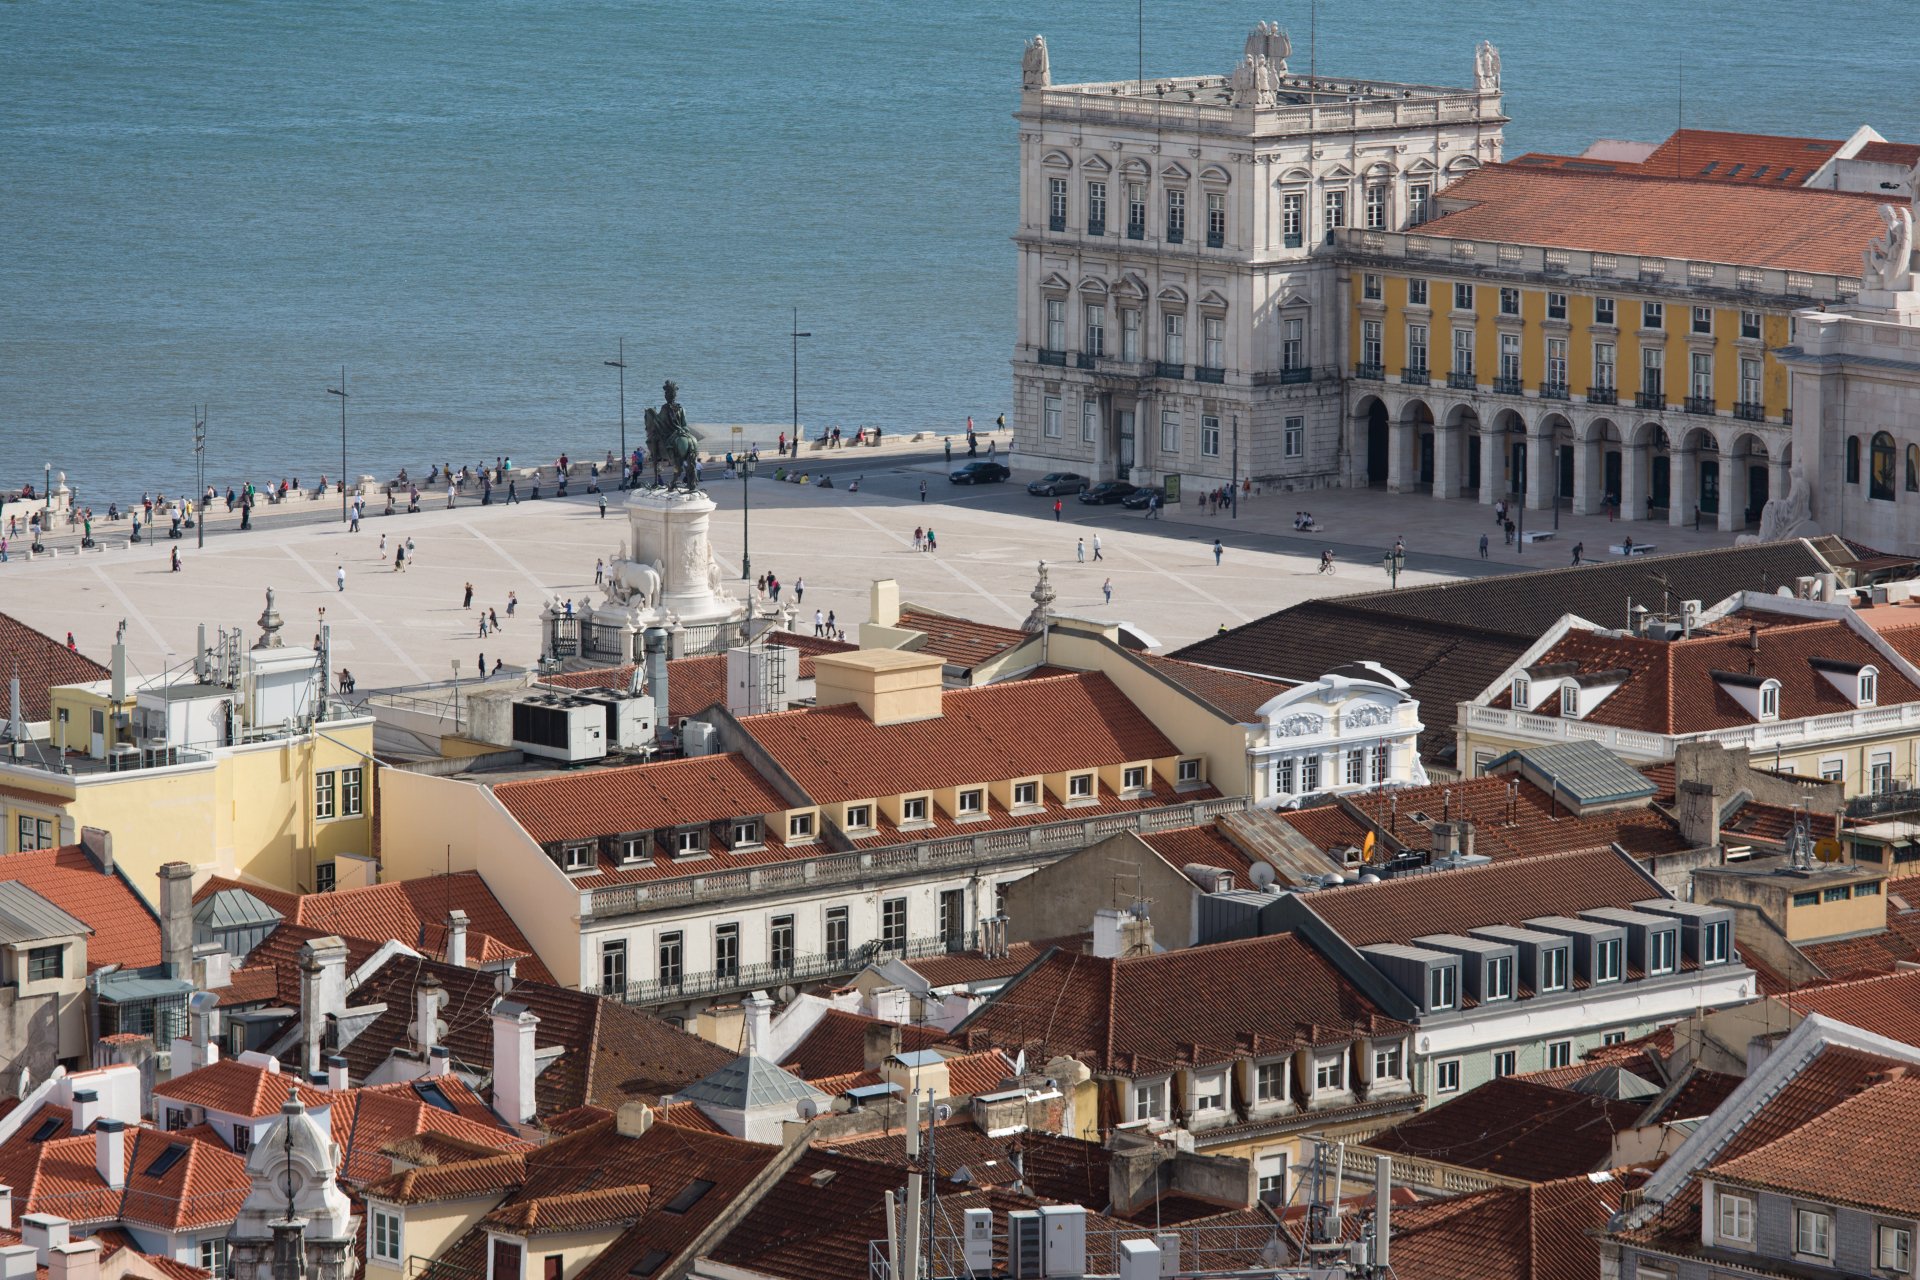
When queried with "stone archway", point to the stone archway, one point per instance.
{"points": [[1696, 479], [1376, 432], [1415, 446], [1746, 481]]}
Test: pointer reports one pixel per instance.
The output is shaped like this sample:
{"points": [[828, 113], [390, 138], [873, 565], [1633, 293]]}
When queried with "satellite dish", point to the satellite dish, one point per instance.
{"points": [[942, 1113], [786, 995], [1261, 875], [1827, 849], [1020, 1063]]}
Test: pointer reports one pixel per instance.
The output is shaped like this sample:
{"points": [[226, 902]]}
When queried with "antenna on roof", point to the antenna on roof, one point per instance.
{"points": [[1680, 118]]}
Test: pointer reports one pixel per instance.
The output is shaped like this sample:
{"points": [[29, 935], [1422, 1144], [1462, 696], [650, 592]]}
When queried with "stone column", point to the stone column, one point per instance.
{"points": [[1733, 492], [1542, 473], [1446, 461], [1683, 486], [1140, 432], [1634, 475], [1400, 456], [1491, 486], [1586, 477]]}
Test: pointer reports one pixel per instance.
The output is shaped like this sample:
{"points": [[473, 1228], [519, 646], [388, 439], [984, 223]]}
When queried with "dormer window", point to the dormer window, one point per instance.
{"points": [[745, 831], [1442, 982], [1133, 778], [1209, 1091], [1080, 786], [576, 857], [1570, 701], [1026, 794], [1770, 700], [1522, 693], [1330, 1074], [1869, 686], [1189, 770], [973, 801], [800, 826], [859, 817], [690, 843], [632, 849], [914, 810]]}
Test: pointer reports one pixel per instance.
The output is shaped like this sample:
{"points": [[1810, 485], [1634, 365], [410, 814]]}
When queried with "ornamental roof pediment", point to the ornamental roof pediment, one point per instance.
{"points": [[1096, 163], [1174, 171], [1057, 160]]}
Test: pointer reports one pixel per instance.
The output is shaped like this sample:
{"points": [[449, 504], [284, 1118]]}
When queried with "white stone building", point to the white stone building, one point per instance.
{"points": [[1181, 311]]}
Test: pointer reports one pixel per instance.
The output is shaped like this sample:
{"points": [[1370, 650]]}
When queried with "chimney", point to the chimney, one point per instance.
{"points": [[633, 1119], [890, 686], [110, 1152], [439, 1061], [6, 1208], [759, 1010], [428, 997], [43, 1231], [654, 645], [336, 1072], [1106, 932], [99, 847], [881, 1042], [323, 995], [883, 603], [513, 1062], [86, 1108], [79, 1260], [457, 937], [19, 1262], [212, 966], [176, 919], [1118, 933]]}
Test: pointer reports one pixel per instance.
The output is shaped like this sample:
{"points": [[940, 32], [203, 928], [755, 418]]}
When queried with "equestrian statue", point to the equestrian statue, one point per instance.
{"points": [[669, 437]]}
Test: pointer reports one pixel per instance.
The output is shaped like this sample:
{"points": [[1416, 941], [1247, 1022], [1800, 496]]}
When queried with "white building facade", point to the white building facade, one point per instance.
{"points": [[1181, 309], [1335, 736]]}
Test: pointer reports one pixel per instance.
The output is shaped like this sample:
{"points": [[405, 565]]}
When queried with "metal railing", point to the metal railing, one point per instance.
{"points": [[1369, 370], [1056, 223], [1650, 400], [1749, 411], [1553, 391], [1136, 231], [1205, 373], [1216, 240], [807, 968], [1169, 369], [1045, 356], [1086, 361], [1508, 386], [1701, 404], [1462, 380], [1263, 1249], [1096, 226], [1785, 733], [1895, 800], [1415, 377], [1293, 377], [1603, 395]]}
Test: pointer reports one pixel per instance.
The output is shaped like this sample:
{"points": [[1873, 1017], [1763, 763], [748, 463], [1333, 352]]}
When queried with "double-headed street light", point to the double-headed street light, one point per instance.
{"points": [[796, 335], [341, 391], [200, 465], [744, 461], [621, 365]]}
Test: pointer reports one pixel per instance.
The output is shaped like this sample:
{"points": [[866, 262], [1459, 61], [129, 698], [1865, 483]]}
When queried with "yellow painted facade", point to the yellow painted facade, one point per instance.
{"points": [[427, 1230]]}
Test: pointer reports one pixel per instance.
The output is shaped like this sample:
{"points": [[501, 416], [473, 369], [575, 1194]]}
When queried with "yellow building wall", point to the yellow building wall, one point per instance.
{"points": [[1856, 915], [428, 1231]]}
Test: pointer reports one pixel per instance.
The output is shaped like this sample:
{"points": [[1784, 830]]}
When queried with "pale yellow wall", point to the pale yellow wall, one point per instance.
{"points": [[429, 1229], [1825, 919], [423, 817], [578, 1249]]}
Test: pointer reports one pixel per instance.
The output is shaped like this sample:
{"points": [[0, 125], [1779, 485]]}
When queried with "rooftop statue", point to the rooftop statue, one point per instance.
{"points": [[1034, 71], [669, 438]]}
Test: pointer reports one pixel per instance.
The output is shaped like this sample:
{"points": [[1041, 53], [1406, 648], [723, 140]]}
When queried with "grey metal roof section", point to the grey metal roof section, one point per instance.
{"points": [[233, 909], [1618, 1083], [125, 987], [26, 917], [748, 1082], [1587, 771]]}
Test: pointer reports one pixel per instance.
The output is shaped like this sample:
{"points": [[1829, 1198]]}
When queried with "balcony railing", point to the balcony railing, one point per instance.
{"points": [[1701, 404], [1293, 377], [1603, 395], [808, 968], [1216, 240], [1508, 386], [1553, 391], [1096, 226], [1291, 241], [1372, 372], [1808, 732], [1650, 400], [1086, 361], [1206, 373], [1056, 223], [1136, 231], [1169, 369], [1749, 411], [1461, 381], [1176, 234], [1415, 377], [1052, 357]]}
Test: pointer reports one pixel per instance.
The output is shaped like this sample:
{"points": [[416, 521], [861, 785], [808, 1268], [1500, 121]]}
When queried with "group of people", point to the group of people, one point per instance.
{"points": [[1303, 522], [769, 585], [490, 617], [923, 539]]}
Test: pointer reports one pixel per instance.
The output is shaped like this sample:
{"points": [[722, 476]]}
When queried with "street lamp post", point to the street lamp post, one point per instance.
{"points": [[1233, 492], [46, 500], [1557, 446], [745, 463], [796, 335], [621, 365], [200, 466], [1395, 560], [341, 391]]}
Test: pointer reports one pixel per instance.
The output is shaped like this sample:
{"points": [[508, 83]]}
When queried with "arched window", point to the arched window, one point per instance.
{"points": [[1853, 459], [1880, 468], [1913, 468], [1770, 700]]}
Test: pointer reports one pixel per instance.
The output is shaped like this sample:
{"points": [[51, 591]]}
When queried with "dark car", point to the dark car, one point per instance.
{"points": [[980, 473], [1055, 483], [1108, 491], [1140, 497]]}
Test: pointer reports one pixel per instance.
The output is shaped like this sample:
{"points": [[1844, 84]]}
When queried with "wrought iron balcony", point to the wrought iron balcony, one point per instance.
{"points": [[1372, 372], [1176, 234], [1650, 400], [1602, 395], [841, 962], [1508, 386], [1086, 361], [1462, 381], [1216, 240], [1293, 376], [1202, 373], [1056, 223], [1169, 369], [1096, 226], [1415, 377], [1749, 411], [1553, 391], [1052, 357], [1701, 404], [1136, 231], [1292, 241]]}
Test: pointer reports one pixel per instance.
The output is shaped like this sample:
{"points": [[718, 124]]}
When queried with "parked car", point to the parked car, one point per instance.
{"points": [[1055, 483], [1140, 497], [1107, 491], [980, 473]]}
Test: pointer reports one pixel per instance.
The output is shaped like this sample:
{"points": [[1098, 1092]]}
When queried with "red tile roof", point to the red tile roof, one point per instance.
{"points": [[1862, 1152], [837, 1044], [1887, 1005], [1784, 228], [960, 641], [1554, 884], [124, 931], [958, 968], [985, 734], [1904, 154], [1875, 953], [1543, 1232], [1532, 823], [255, 984], [239, 1089], [1207, 845], [1140, 1015], [369, 1120], [1328, 826], [1239, 696], [640, 797], [415, 912], [42, 662], [60, 1176], [1515, 1128], [1708, 155]]}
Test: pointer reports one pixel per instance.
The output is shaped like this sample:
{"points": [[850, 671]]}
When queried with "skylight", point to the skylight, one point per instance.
{"points": [[434, 1096], [689, 1196], [165, 1161], [649, 1262]]}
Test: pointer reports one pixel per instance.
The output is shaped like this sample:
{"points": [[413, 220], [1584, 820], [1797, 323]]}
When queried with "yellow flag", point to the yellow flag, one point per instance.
{"points": [[1366, 848]]}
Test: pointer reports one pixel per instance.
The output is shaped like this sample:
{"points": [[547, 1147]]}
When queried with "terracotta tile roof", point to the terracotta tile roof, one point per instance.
{"points": [[640, 797], [367, 1121], [60, 1176], [238, 1089], [962, 967], [687, 1115], [1671, 685], [1887, 1005], [1579, 164], [415, 912], [280, 952], [1709, 155], [255, 984], [459, 1180], [1141, 1015], [1239, 696], [985, 734], [613, 1053], [1562, 884], [1785, 228], [1057, 1167], [837, 1044], [1543, 1232], [1905, 154], [971, 1074], [42, 662], [1861, 1152], [1701, 1095], [960, 641], [571, 1211], [1207, 845], [1531, 824], [1328, 826], [124, 931], [1830, 1079], [1515, 1128]]}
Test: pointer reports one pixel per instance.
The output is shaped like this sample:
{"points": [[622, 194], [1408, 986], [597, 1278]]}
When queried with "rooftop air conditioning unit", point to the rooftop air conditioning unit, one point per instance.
{"points": [[1024, 1245], [570, 730]]}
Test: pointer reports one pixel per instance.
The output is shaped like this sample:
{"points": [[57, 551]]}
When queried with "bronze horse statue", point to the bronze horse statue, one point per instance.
{"points": [[669, 438]]}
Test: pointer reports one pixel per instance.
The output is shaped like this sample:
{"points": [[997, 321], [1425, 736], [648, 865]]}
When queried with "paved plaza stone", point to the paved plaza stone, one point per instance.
{"points": [[401, 628]]}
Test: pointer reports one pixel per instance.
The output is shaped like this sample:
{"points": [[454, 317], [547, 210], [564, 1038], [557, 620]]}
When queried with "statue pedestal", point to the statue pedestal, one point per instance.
{"points": [[666, 576]]}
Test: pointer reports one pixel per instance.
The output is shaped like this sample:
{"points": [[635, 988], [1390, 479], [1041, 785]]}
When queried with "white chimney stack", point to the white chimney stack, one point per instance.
{"points": [[759, 1020], [19, 1262], [110, 1152], [513, 1061], [78, 1260], [439, 1061], [6, 1207], [336, 1073], [457, 937], [43, 1231], [323, 995], [427, 999]]}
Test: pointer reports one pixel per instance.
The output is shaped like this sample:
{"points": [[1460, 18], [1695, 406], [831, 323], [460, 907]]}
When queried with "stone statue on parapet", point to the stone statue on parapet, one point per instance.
{"points": [[1035, 73], [1791, 514], [670, 439], [1888, 258], [1486, 68], [1268, 41], [1255, 84]]}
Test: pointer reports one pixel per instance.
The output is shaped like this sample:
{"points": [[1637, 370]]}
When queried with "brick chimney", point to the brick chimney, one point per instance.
{"points": [[889, 685], [176, 919]]}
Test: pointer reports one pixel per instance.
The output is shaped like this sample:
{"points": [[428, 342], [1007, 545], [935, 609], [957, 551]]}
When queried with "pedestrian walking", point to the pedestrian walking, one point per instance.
{"points": [[71, 646], [1080, 550], [1096, 548], [383, 546], [1217, 549], [340, 577], [599, 572], [923, 483], [799, 590], [1106, 589], [1400, 548], [513, 492], [832, 630], [399, 556], [919, 538], [949, 444], [931, 545], [1056, 511], [176, 562], [1578, 547], [1506, 532], [482, 668], [819, 623], [1483, 546], [603, 506], [513, 602], [1500, 512], [483, 626], [353, 518], [493, 620], [467, 603]]}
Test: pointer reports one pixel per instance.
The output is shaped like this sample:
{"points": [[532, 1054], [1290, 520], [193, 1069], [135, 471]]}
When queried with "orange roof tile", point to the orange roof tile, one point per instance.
{"points": [[1329, 826], [1515, 824], [1862, 1152], [1904, 154], [1240, 696], [239, 1089], [1515, 1128], [1547, 1231], [1787, 228], [60, 1176], [367, 1121], [42, 662], [985, 734], [1207, 845], [1887, 1005], [640, 797], [124, 931], [960, 641], [837, 1044], [415, 912], [1710, 155]]}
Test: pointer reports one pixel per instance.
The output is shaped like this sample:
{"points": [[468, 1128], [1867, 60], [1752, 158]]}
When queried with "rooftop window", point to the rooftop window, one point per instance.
{"points": [[689, 1196], [166, 1160]]}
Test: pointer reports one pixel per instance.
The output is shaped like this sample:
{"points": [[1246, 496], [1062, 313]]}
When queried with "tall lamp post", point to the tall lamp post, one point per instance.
{"points": [[200, 465], [46, 501], [341, 391], [745, 463], [621, 365], [796, 335], [1557, 459], [1233, 490]]}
